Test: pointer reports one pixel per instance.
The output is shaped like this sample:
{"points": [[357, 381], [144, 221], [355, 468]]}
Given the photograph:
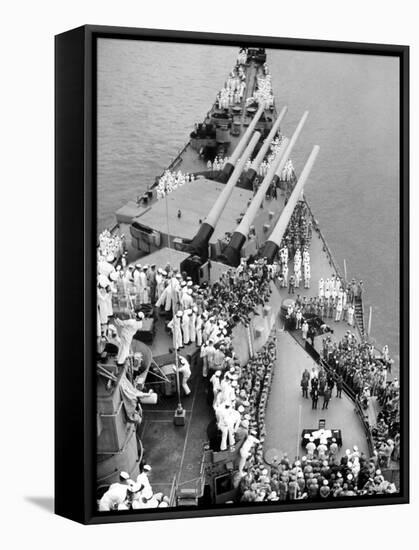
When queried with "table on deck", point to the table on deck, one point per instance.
{"points": [[329, 435]]}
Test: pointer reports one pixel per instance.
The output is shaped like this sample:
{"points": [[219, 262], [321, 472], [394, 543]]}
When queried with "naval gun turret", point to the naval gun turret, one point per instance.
{"points": [[272, 245], [231, 254], [229, 167], [198, 247], [253, 170]]}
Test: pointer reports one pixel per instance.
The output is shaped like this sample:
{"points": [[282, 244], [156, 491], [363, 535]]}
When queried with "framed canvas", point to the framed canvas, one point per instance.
{"points": [[231, 274]]}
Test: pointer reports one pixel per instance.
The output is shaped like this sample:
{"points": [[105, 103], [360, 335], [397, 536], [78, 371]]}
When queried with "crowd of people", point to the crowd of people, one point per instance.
{"points": [[170, 181], [239, 397], [129, 494], [318, 475], [263, 94], [110, 246], [218, 163], [234, 88]]}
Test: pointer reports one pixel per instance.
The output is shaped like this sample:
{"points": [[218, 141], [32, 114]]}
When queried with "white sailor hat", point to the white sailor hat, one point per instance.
{"points": [[124, 475], [240, 409], [145, 267], [195, 309], [189, 283], [113, 275], [182, 284], [110, 258], [146, 468], [234, 383], [138, 266], [163, 504], [178, 276], [247, 416], [179, 314], [217, 373], [140, 315], [103, 281]]}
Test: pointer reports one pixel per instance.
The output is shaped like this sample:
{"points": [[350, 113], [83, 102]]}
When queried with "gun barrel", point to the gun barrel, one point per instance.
{"points": [[231, 253], [272, 245], [199, 244], [228, 168]]}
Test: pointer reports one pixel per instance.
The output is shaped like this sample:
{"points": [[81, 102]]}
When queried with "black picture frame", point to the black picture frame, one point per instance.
{"points": [[75, 273]]}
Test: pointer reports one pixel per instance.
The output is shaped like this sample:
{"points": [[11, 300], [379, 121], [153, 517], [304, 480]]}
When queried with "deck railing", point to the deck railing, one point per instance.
{"points": [[346, 388], [333, 262]]}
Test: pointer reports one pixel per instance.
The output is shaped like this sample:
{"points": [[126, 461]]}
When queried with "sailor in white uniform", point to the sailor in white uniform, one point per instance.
{"points": [[225, 422], [128, 328], [185, 370], [192, 325], [175, 327], [198, 327], [185, 327], [321, 288], [245, 449]]}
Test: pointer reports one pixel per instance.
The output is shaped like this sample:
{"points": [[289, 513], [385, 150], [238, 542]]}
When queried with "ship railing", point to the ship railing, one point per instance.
{"points": [[333, 262], [347, 389], [172, 495]]}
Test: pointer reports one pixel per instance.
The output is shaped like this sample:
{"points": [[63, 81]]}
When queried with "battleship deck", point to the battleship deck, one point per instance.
{"points": [[288, 413], [194, 200]]}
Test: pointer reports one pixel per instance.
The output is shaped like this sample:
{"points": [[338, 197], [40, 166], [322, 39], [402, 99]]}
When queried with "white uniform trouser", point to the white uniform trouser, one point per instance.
{"points": [[124, 350], [226, 432], [243, 458], [186, 374], [198, 336], [192, 328], [177, 337], [185, 330], [338, 314]]}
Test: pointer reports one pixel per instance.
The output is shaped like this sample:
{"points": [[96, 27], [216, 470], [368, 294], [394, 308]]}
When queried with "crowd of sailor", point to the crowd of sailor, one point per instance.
{"points": [[263, 94], [218, 163], [129, 494], [110, 245], [318, 475], [363, 369], [171, 180], [242, 57], [233, 90]]}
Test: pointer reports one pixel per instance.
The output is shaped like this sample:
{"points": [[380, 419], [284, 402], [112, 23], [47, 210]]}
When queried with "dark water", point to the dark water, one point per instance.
{"points": [[151, 94]]}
